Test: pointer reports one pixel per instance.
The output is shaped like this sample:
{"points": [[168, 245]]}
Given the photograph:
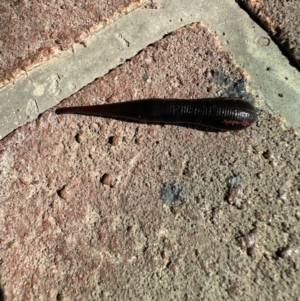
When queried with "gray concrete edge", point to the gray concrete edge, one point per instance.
{"points": [[272, 79]]}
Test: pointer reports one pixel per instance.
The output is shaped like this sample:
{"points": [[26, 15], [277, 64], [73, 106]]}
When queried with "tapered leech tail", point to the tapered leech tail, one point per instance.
{"points": [[226, 114]]}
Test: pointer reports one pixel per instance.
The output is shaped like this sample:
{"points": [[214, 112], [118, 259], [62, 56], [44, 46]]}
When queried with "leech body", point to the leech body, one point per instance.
{"points": [[226, 114]]}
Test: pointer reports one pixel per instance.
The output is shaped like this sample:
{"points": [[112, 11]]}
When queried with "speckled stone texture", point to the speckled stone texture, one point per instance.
{"points": [[100, 209], [281, 18], [31, 31]]}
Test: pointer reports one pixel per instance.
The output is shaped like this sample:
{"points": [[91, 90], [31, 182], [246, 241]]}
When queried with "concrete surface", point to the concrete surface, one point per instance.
{"points": [[163, 212], [32, 31], [273, 80], [101, 209], [281, 20]]}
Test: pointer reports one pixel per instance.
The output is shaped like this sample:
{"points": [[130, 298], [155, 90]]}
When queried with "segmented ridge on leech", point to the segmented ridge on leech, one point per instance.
{"points": [[219, 113]]}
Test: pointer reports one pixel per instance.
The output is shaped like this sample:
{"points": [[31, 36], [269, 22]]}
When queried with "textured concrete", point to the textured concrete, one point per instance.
{"points": [[281, 20], [103, 209], [32, 31], [273, 80]]}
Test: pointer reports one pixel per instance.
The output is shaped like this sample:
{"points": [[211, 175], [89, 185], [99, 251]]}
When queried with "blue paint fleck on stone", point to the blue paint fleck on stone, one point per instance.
{"points": [[170, 194]]}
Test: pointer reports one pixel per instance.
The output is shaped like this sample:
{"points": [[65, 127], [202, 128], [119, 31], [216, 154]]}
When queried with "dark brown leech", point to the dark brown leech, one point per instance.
{"points": [[226, 114]]}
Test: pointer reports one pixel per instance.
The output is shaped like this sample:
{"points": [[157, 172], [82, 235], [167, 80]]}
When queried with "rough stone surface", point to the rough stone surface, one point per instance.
{"points": [[31, 31], [281, 19], [164, 228], [273, 80]]}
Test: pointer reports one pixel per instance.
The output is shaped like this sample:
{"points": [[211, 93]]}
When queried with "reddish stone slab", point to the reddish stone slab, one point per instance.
{"points": [[31, 31], [149, 217]]}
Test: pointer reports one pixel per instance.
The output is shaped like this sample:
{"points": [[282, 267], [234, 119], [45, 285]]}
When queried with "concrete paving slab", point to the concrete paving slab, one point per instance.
{"points": [[273, 80], [103, 209], [107, 209], [281, 20], [32, 31]]}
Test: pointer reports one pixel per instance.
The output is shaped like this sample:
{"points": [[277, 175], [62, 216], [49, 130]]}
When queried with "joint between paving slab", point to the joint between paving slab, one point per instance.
{"points": [[106, 50], [285, 51]]}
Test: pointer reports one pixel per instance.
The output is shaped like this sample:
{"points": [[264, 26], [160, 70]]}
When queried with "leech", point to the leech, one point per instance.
{"points": [[226, 114]]}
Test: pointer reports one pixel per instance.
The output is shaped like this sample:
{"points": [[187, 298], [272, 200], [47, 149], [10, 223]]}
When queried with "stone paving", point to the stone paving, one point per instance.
{"points": [[105, 209]]}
